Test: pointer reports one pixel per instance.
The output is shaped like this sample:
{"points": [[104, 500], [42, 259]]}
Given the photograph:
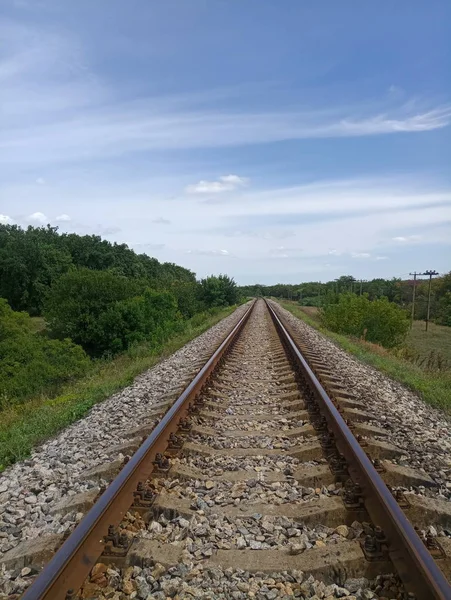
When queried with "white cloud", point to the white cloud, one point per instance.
{"points": [[381, 257], [407, 238], [161, 221], [62, 218], [234, 180], [209, 252], [360, 255], [5, 220], [334, 252], [341, 197], [38, 217], [226, 183], [40, 181], [81, 132]]}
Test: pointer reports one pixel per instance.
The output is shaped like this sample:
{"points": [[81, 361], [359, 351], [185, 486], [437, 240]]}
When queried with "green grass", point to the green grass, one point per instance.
{"points": [[436, 340], [433, 386], [24, 426]]}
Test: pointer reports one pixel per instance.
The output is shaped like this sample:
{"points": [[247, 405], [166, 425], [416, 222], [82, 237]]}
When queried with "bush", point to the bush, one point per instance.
{"points": [[378, 321], [218, 291], [29, 362], [186, 293], [106, 313]]}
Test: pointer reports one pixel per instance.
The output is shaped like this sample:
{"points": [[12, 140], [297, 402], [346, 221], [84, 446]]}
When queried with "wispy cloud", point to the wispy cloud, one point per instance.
{"points": [[403, 239], [118, 130], [225, 183], [59, 110], [360, 255], [63, 218], [161, 221], [90, 123], [209, 252]]}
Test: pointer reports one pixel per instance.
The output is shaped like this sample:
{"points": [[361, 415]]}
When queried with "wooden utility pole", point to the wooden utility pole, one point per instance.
{"points": [[430, 274], [412, 317]]}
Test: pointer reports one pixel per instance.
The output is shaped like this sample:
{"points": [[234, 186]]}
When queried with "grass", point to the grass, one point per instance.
{"points": [[437, 340], [24, 426], [432, 385]]}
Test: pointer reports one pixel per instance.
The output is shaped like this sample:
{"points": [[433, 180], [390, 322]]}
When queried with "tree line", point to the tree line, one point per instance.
{"points": [[95, 299], [396, 290]]}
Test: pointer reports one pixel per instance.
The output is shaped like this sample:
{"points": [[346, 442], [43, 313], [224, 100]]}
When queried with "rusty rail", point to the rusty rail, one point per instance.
{"points": [[70, 566], [413, 562]]}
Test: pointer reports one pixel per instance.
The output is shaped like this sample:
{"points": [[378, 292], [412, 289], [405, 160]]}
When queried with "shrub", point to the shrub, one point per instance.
{"points": [[29, 362], [378, 321], [186, 293], [106, 313], [218, 291]]}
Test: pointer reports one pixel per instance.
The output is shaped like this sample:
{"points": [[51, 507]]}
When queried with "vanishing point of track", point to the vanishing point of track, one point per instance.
{"points": [[283, 416]]}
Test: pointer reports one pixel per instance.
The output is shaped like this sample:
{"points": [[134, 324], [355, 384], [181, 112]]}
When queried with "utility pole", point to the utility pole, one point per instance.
{"points": [[362, 281], [412, 316], [430, 274]]}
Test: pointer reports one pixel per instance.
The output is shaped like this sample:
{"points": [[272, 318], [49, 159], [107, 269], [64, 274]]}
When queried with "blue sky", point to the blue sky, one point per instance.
{"points": [[273, 141]]}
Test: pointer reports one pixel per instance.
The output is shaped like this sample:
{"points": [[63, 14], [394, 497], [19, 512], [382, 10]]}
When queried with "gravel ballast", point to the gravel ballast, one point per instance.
{"points": [[30, 489], [423, 432]]}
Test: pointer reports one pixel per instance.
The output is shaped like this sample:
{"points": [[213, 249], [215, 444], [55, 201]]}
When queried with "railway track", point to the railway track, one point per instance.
{"points": [[263, 479]]}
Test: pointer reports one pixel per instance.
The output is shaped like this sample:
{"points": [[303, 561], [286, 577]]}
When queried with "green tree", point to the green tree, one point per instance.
{"points": [[30, 363], [29, 263], [32, 260], [218, 291], [79, 301], [106, 313], [443, 299], [187, 295]]}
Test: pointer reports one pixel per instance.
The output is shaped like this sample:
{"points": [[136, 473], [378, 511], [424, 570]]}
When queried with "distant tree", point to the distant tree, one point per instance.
{"points": [[29, 263], [32, 260], [443, 294]]}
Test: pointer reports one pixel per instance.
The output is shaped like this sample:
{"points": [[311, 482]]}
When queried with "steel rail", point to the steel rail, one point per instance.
{"points": [[71, 564], [415, 566]]}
